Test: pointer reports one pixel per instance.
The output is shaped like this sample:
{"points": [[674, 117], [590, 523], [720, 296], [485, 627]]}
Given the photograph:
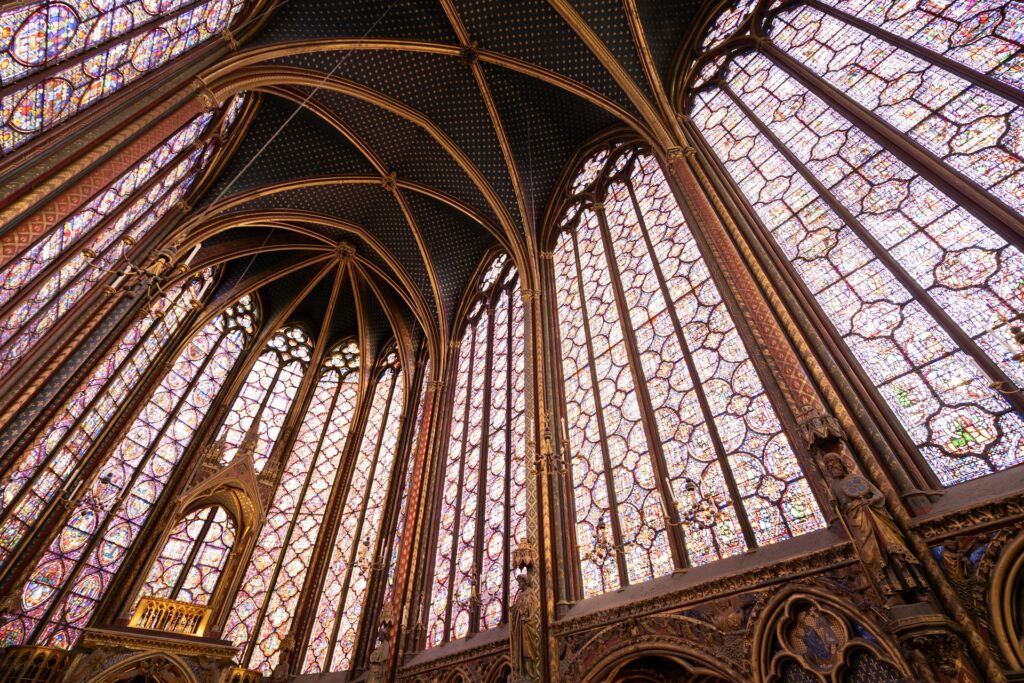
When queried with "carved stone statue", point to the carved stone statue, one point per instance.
{"points": [[524, 630], [282, 670], [379, 658], [892, 566]]}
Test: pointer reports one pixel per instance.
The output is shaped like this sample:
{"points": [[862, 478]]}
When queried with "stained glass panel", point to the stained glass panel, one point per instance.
{"points": [[267, 395], [68, 582], [38, 36], [193, 557], [727, 22], [46, 281], [485, 479], [962, 426], [982, 34], [49, 463], [266, 602], [966, 126], [337, 620], [630, 279]]}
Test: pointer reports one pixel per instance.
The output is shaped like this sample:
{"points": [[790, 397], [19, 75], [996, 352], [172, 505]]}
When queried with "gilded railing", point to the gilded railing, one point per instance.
{"points": [[157, 614]]}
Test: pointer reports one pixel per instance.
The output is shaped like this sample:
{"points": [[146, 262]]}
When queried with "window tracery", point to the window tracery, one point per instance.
{"points": [[57, 58], [677, 455], [69, 580], [267, 395], [483, 496], [48, 279], [922, 287], [266, 602], [355, 556], [52, 460], [193, 557]]}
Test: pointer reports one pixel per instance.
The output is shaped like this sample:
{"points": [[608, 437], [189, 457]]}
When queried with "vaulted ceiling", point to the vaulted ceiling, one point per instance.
{"points": [[423, 133]]}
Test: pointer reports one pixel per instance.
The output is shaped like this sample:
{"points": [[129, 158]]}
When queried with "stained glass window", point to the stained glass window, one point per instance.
{"points": [[193, 557], [267, 395], [53, 459], [921, 287], [57, 58], [665, 412], [43, 283], [337, 618], [265, 605], [115, 501], [485, 474]]}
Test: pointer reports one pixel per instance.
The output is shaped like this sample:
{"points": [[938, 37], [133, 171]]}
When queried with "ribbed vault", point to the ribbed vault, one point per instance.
{"points": [[422, 133]]}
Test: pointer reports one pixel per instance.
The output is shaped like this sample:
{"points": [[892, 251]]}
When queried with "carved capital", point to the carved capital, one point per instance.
{"points": [[435, 384], [229, 38], [819, 430], [530, 295], [204, 94], [680, 153]]}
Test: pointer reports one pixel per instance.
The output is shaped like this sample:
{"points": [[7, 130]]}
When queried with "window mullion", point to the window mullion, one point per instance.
{"points": [[991, 211], [60, 65], [129, 357], [509, 503], [609, 480], [483, 480], [272, 583], [655, 454], [101, 532], [962, 70], [962, 340], [357, 535], [462, 472], [193, 552], [698, 386], [137, 194]]}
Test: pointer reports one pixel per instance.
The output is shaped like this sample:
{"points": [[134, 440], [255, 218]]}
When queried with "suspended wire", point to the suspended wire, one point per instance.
{"points": [[301, 105]]}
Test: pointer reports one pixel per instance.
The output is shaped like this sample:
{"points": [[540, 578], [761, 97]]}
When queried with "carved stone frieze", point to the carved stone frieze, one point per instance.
{"points": [[777, 573]]}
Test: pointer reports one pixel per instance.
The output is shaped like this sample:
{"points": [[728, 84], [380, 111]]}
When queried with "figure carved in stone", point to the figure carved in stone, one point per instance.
{"points": [[282, 670], [524, 630], [379, 658], [893, 567]]}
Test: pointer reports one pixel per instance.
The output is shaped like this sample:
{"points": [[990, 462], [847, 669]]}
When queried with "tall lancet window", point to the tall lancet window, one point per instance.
{"points": [[53, 460], [44, 282], [264, 608], [878, 144], [109, 509], [57, 58], [483, 499], [267, 395], [678, 456], [337, 617]]}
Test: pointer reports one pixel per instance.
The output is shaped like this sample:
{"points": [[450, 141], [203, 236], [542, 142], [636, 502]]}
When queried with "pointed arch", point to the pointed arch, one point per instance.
{"points": [[483, 496], [260, 617], [110, 508], [340, 610], [678, 454]]}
